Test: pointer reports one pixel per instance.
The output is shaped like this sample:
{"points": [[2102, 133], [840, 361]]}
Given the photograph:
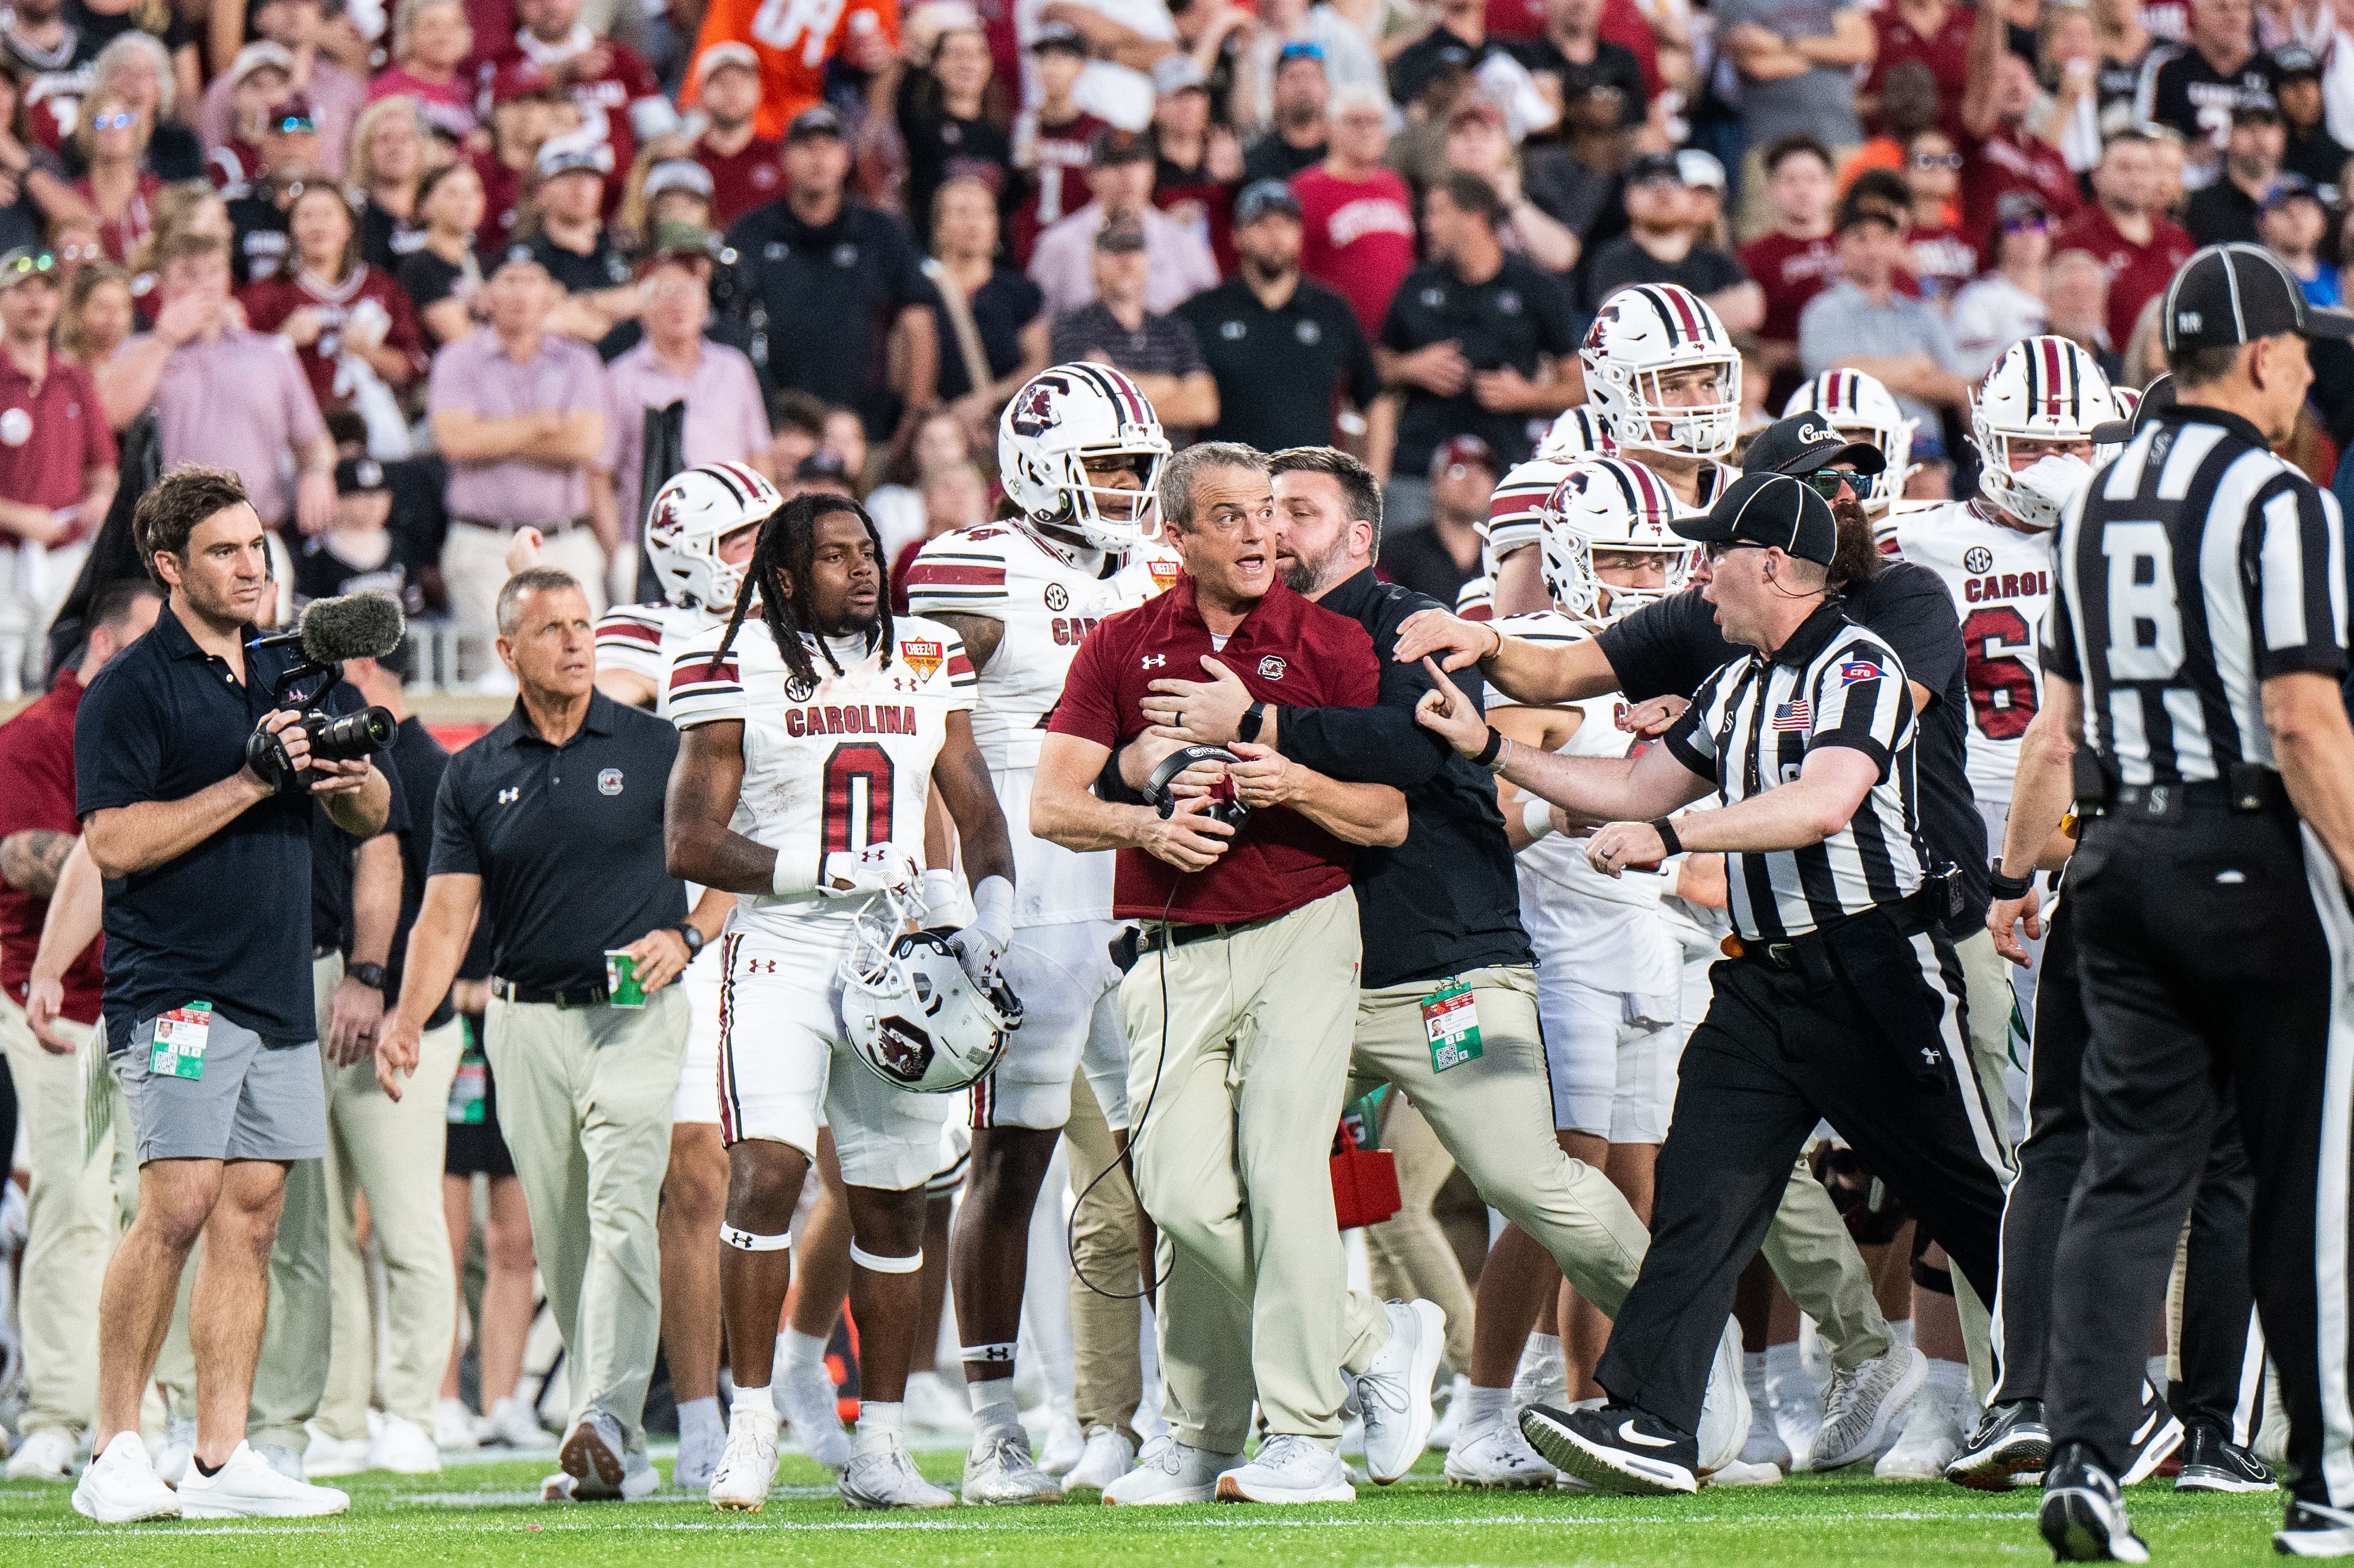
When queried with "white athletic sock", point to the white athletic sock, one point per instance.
{"points": [[797, 1351], [993, 1405], [698, 1421], [1541, 1362], [748, 1399], [1900, 1334], [1753, 1382], [2155, 1369], [1482, 1407], [1787, 1382], [879, 1421], [1951, 1379]]}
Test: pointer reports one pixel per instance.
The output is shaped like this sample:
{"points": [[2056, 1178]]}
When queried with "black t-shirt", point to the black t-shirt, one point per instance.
{"points": [[941, 147], [1516, 317], [419, 761], [2317, 156], [1273, 158], [99, 28], [579, 272], [1278, 371], [1669, 648], [334, 864], [2223, 214], [2197, 100], [1705, 270], [1000, 308], [1417, 558], [855, 275], [258, 242], [428, 280], [321, 572], [1614, 67], [1423, 61], [386, 240]]}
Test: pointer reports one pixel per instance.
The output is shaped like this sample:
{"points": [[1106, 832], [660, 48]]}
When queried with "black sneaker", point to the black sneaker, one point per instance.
{"points": [[2211, 1462], [2011, 1441], [2157, 1434], [2083, 1518], [1617, 1448], [2314, 1530]]}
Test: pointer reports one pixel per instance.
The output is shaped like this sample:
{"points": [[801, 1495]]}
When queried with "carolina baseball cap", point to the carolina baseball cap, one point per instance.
{"points": [[1701, 170], [819, 121], [1806, 443], [674, 241], [823, 464], [1768, 509], [2156, 398], [1174, 74], [2230, 294], [359, 476], [257, 55], [1112, 146], [576, 154], [1654, 166], [2295, 61], [726, 52], [678, 175], [1263, 197], [1058, 35]]}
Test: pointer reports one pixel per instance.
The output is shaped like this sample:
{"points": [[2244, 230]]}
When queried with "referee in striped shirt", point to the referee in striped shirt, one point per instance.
{"points": [[1844, 1002], [2197, 636]]}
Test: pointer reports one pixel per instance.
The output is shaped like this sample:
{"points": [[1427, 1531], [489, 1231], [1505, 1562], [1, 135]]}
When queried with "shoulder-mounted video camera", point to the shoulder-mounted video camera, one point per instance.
{"points": [[354, 626]]}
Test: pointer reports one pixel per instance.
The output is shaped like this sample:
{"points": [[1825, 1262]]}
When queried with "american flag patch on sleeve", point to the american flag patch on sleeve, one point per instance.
{"points": [[1799, 715]]}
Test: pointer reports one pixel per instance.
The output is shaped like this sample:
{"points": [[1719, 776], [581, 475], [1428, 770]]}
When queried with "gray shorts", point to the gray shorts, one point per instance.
{"points": [[253, 1102]]}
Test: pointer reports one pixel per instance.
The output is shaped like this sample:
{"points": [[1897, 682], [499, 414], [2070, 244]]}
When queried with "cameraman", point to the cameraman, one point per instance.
{"points": [[196, 792]]}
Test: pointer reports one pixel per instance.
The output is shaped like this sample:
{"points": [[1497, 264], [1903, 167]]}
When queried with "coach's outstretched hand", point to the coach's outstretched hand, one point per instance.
{"points": [[1447, 712], [1461, 642]]}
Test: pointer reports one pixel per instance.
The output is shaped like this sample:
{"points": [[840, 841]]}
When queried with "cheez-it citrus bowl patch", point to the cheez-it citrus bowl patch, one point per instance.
{"points": [[922, 657]]}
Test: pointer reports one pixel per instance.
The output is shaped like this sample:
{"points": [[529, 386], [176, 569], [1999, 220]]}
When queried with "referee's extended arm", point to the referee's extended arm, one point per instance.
{"points": [[1541, 677]]}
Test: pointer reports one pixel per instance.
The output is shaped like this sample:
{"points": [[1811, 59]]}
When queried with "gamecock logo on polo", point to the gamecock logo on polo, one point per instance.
{"points": [[1271, 668], [922, 657]]}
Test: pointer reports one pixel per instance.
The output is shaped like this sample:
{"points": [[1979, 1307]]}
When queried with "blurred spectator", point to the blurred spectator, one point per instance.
{"points": [[120, 189], [135, 67], [50, 59], [1455, 360], [948, 115], [2225, 210], [822, 472], [336, 95], [725, 420], [572, 241], [57, 467], [1459, 41], [257, 215], [102, 22], [223, 394], [813, 256], [1662, 246], [1478, 143], [745, 166], [359, 552], [1794, 261], [519, 414], [991, 320], [896, 503], [619, 100], [796, 46], [1053, 138], [1862, 322], [1909, 103], [2072, 74], [98, 314], [2007, 304], [953, 497], [1359, 216], [798, 420], [675, 190], [843, 434], [1933, 34], [2193, 87], [75, 244], [260, 77], [350, 324], [386, 164], [1283, 351], [2126, 229], [430, 41], [32, 187], [2312, 151], [1159, 351], [1349, 57], [1196, 162], [1940, 255], [1439, 554], [1119, 173], [1577, 60], [1797, 64], [1296, 134], [441, 276], [523, 114], [2292, 226], [2075, 292], [2171, 189], [1999, 151]]}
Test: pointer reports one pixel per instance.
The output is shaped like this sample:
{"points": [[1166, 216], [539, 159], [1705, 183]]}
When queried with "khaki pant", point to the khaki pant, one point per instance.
{"points": [[1236, 1091], [1110, 1372], [392, 1153], [1809, 1250], [1408, 1254], [585, 1098], [474, 564], [1985, 979], [71, 1228]]}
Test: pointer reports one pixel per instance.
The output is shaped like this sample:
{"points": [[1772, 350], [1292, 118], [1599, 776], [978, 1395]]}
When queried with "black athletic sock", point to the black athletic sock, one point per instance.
{"points": [[207, 1471]]}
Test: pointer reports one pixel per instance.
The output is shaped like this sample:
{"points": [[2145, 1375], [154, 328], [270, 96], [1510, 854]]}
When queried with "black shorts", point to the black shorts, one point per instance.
{"points": [[476, 1148]]}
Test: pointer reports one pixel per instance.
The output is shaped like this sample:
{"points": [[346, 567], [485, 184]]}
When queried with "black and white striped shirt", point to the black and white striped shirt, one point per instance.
{"points": [[1750, 728], [2194, 567]]}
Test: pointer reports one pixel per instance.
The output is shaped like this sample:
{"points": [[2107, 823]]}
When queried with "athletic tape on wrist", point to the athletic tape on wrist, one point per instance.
{"points": [[880, 1264], [987, 1355], [1536, 817], [746, 1241]]}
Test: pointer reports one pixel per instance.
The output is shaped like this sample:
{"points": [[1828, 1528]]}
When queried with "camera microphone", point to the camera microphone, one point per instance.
{"points": [[351, 626]]}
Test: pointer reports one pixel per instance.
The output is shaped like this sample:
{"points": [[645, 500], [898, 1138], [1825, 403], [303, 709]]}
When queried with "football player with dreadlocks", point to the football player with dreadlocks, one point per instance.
{"points": [[1080, 451], [827, 735]]}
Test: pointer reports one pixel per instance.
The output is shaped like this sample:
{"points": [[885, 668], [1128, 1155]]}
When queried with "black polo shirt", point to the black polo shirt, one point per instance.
{"points": [[1447, 899], [1515, 318], [1278, 371], [227, 922], [419, 761], [853, 275], [583, 272], [333, 859], [568, 841]]}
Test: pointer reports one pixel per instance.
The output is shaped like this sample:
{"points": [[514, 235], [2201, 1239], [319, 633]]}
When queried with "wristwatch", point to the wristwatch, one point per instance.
{"points": [[692, 935], [1254, 719], [368, 975]]}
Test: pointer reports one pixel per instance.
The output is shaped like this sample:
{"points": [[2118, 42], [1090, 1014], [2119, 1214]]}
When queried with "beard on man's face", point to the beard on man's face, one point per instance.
{"points": [[1858, 559]]}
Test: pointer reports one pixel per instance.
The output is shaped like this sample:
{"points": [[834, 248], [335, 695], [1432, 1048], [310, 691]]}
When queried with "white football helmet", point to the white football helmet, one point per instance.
{"points": [[914, 1016], [1060, 418], [688, 518], [2042, 389], [1577, 432], [1861, 408], [1641, 333], [1609, 503], [2129, 402]]}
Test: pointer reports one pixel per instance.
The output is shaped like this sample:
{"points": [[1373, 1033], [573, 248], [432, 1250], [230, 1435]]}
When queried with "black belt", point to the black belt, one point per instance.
{"points": [[1911, 915], [1153, 935], [500, 526], [2250, 791], [575, 996]]}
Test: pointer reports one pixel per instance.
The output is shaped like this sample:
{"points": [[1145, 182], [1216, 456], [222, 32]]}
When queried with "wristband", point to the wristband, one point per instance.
{"points": [[2007, 888], [1254, 719], [993, 907], [368, 975], [692, 935], [1669, 842], [1487, 753], [1536, 817]]}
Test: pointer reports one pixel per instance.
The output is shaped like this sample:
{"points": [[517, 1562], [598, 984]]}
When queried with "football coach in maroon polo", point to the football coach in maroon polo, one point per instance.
{"points": [[1241, 1002]]}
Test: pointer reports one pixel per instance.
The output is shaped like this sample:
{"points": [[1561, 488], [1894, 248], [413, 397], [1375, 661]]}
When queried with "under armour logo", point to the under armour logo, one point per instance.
{"points": [[1153, 661], [509, 797]]}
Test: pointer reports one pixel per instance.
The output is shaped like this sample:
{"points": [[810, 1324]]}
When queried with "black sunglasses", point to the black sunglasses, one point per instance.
{"points": [[1828, 482]]}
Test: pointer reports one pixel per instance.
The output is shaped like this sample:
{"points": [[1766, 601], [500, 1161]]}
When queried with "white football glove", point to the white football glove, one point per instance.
{"points": [[878, 868], [981, 945], [2044, 488]]}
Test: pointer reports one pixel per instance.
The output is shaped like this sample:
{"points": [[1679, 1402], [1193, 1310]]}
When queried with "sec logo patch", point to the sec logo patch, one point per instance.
{"points": [[1058, 598], [1977, 560], [798, 689], [609, 782]]}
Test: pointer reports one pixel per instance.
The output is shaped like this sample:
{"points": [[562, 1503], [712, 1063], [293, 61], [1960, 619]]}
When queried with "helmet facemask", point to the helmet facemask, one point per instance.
{"points": [[1093, 508], [1637, 404]]}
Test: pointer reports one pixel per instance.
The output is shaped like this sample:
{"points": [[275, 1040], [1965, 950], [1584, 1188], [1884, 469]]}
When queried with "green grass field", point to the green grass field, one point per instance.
{"points": [[488, 1514]]}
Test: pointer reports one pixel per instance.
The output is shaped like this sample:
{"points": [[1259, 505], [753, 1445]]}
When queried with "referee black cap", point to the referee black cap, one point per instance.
{"points": [[1768, 509], [2155, 399], [2230, 294]]}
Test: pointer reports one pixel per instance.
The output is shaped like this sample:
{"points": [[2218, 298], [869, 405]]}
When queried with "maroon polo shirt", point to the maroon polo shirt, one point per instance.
{"points": [[1287, 650], [49, 435], [37, 758]]}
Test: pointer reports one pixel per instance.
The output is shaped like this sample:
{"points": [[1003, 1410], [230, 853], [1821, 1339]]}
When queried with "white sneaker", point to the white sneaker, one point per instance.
{"points": [[282, 1459], [748, 1465], [1108, 1458], [1934, 1433], [405, 1448], [697, 1460], [121, 1486], [1725, 1413], [453, 1427], [179, 1447], [47, 1455], [513, 1423], [595, 1455], [1765, 1444], [1064, 1443], [1496, 1456], [1393, 1392], [1289, 1468], [247, 1487], [1169, 1472], [806, 1402], [1450, 1415], [939, 1413], [884, 1476], [1863, 1405], [1000, 1470], [328, 1455], [1742, 1473]]}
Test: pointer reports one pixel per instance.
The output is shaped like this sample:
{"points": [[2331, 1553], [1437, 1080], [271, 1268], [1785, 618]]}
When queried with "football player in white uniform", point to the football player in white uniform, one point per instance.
{"points": [[1081, 452], [1858, 408], [820, 736], [699, 532]]}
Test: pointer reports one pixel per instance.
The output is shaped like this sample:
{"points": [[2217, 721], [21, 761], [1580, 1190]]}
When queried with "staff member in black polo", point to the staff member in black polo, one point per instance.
{"points": [[1843, 1003], [203, 833], [2197, 638], [550, 827]]}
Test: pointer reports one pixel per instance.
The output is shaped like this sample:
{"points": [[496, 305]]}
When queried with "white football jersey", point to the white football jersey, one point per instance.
{"points": [[2001, 582], [642, 639], [832, 768]]}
